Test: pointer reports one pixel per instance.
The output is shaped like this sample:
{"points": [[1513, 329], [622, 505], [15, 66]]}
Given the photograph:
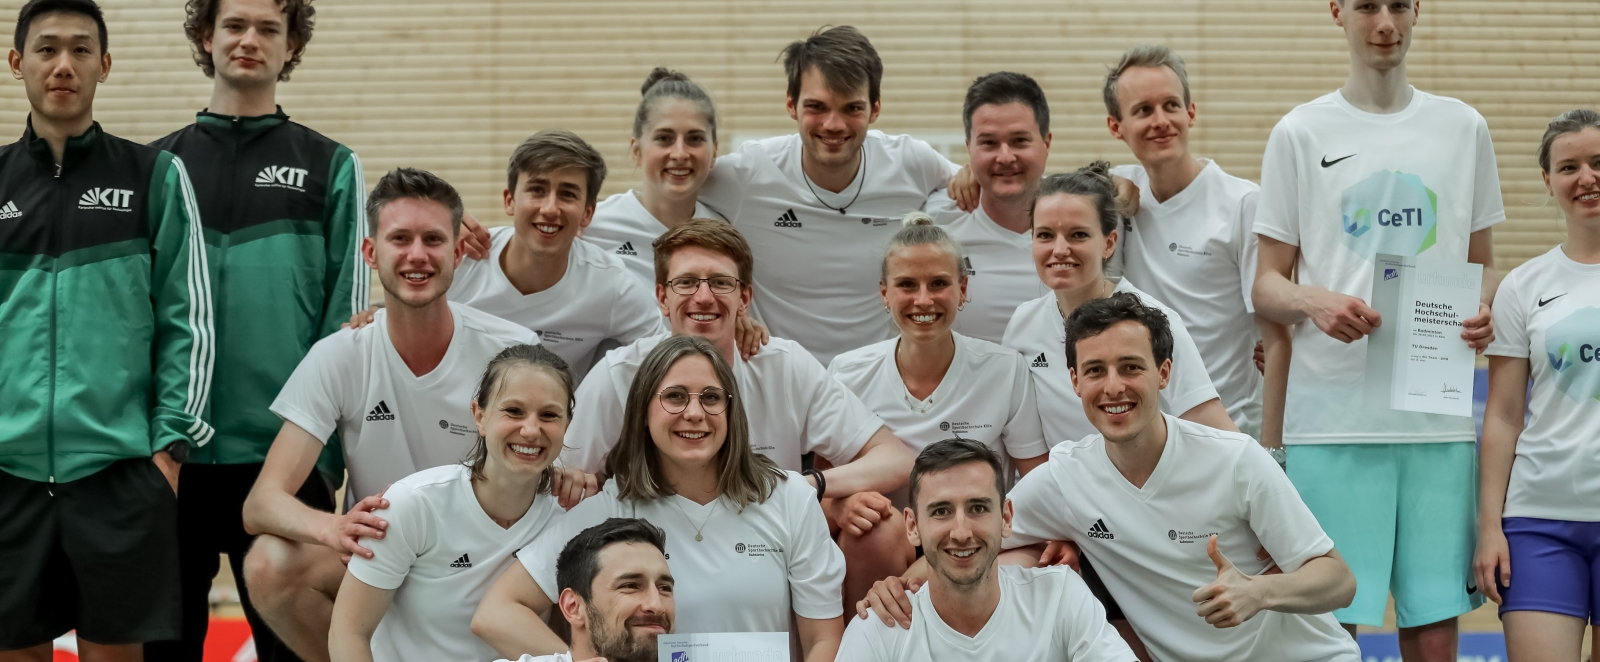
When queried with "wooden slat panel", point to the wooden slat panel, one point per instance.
{"points": [[452, 86]]}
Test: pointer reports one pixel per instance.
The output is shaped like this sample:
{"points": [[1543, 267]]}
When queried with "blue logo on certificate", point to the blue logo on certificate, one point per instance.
{"points": [[1391, 274], [680, 656]]}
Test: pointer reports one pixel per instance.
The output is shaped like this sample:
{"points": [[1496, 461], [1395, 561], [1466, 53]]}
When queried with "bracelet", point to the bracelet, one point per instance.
{"points": [[822, 482]]}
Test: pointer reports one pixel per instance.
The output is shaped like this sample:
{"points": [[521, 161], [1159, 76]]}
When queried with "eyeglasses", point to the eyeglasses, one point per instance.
{"points": [[675, 400], [690, 284]]}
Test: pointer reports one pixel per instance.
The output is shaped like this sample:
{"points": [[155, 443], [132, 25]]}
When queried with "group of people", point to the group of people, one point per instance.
{"points": [[829, 384]]}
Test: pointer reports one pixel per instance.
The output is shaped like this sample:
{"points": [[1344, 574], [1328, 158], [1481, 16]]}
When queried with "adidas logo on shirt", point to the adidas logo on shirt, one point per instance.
{"points": [[462, 562], [106, 199], [1099, 530], [380, 412], [282, 177], [1041, 362], [9, 211], [788, 220], [626, 249]]}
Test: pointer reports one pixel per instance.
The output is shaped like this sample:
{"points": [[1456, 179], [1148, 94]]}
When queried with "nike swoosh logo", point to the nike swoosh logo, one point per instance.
{"points": [[1326, 163], [1542, 302]]}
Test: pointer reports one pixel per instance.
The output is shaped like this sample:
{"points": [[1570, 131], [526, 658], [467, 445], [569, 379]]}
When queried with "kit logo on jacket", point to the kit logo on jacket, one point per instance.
{"points": [[282, 177], [106, 199]]}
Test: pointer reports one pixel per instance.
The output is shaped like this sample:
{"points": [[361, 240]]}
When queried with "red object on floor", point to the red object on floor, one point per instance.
{"points": [[226, 641]]}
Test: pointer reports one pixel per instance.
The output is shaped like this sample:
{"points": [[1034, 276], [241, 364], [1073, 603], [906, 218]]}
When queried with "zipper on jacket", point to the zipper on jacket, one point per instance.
{"points": [[50, 408]]}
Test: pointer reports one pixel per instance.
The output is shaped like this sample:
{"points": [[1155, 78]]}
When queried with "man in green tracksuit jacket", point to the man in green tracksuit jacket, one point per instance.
{"points": [[285, 214], [105, 356]]}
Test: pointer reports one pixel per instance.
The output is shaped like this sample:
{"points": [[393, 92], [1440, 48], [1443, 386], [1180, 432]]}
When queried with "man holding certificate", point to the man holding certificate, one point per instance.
{"points": [[1379, 170]]}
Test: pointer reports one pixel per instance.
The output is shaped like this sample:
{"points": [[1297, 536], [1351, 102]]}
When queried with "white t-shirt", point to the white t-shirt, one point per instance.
{"points": [[986, 396], [1045, 614], [440, 555], [624, 228], [1343, 185], [816, 269], [1040, 333], [749, 573], [792, 404], [1149, 544], [1196, 252], [1548, 311], [1000, 271], [391, 422], [596, 305]]}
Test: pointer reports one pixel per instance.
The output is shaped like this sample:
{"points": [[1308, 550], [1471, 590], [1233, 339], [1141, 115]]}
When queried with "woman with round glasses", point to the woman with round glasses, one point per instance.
{"points": [[747, 542]]}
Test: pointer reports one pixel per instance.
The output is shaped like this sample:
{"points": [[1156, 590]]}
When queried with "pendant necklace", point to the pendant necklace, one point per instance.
{"points": [[698, 529], [860, 185]]}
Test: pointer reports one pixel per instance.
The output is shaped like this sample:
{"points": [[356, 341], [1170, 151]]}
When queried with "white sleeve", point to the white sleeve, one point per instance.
{"points": [[1190, 385], [837, 423], [596, 421], [1038, 510], [411, 534], [636, 314], [539, 557], [1488, 208], [1089, 636], [941, 208], [1249, 247], [1510, 319], [1024, 431], [934, 168], [1278, 209], [861, 642], [314, 396], [816, 566], [1280, 520], [724, 189]]}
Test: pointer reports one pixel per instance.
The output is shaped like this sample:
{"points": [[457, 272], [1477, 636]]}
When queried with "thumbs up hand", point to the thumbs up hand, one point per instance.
{"points": [[1233, 598]]}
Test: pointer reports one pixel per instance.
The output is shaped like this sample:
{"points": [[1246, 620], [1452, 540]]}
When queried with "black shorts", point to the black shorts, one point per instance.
{"points": [[98, 554]]}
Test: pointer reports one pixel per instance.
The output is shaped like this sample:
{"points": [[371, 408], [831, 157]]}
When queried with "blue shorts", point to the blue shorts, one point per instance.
{"points": [[1555, 567]]}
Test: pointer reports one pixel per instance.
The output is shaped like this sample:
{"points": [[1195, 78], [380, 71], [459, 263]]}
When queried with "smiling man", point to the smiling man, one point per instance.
{"points": [[397, 392], [973, 609], [284, 210], [815, 204]]}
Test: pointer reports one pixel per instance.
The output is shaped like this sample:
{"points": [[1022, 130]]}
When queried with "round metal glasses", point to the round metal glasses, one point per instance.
{"points": [[675, 400]]}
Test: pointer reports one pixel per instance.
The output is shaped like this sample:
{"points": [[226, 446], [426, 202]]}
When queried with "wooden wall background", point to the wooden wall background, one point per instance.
{"points": [[453, 85]]}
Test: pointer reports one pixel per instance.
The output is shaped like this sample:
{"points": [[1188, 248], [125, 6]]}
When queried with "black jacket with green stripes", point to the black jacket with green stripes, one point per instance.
{"points": [[105, 317], [285, 214]]}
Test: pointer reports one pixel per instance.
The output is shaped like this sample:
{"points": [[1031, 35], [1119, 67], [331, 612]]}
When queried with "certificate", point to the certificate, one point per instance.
{"points": [[723, 647], [1416, 359]]}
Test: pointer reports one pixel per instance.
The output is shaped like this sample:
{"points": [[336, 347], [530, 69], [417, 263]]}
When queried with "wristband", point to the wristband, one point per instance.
{"points": [[822, 482]]}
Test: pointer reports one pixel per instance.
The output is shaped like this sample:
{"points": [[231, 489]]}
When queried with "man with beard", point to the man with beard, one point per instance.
{"points": [[972, 608], [616, 592]]}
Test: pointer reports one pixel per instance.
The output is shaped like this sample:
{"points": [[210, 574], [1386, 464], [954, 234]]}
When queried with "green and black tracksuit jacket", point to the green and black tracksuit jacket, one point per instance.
{"points": [[106, 337], [285, 212]]}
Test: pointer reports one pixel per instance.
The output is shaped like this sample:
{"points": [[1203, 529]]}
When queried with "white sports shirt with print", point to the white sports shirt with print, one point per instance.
{"points": [[1548, 312], [1040, 332], [1196, 252], [391, 422], [816, 269], [596, 305], [439, 555], [1149, 543], [751, 570], [986, 395], [999, 264], [792, 404], [623, 227], [1343, 185], [1044, 615]]}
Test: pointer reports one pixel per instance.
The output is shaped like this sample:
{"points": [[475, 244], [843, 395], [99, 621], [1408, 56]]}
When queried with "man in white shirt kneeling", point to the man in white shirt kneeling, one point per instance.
{"points": [[973, 608]]}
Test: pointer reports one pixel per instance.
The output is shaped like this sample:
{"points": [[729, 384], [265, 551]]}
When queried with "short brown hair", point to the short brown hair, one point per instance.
{"points": [[1147, 55], [201, 21], [843, 56], [557, 149], [413, 183], [712, 235]]}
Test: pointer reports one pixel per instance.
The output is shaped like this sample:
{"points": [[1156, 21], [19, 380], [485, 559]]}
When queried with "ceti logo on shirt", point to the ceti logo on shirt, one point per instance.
{"points": [[1389, 212], [1573, 347], [106, 199]]}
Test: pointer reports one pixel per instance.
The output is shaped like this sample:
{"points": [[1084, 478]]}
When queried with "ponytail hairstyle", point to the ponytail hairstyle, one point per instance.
{"points": [[1571, 121], [494, 377], [664, 83], [917, 229]]}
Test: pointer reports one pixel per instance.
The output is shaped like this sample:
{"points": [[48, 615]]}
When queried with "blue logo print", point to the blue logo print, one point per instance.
{"points": [[1391, 274], [680, 656], [1573, 348], [1389, 212]]}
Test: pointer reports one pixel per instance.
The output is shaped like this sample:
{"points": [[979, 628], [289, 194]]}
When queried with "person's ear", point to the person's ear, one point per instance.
{"points": [[369, 249], [912, 536], [1166, 372], [1115, 126], [571, 605], [105, 67], [635, 152], [510, 203], [877, 107], [1546, 176], [790, 103], [15, 60], [477, 418], [1006, 514]]}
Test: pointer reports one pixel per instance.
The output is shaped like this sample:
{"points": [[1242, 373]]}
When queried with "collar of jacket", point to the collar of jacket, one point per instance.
{"points": [[78, 147], [240, 126]]}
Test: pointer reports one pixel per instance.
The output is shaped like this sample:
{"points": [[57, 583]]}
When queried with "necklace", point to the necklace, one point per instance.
{"points": [[698, 529], [862, 184]]}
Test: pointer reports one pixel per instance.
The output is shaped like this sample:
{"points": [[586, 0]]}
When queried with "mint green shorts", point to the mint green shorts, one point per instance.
{"points": [[1404, 517]]}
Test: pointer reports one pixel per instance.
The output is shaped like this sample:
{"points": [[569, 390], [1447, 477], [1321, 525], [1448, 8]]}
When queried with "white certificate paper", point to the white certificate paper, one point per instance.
{"points": [[724, 647], [1416, 359]]}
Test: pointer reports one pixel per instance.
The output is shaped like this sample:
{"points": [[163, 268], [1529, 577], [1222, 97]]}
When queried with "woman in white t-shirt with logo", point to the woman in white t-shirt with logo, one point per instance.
{"points": [[1539, 497], [1074, 232], [930, 383], [452, 530], [747, 542]]}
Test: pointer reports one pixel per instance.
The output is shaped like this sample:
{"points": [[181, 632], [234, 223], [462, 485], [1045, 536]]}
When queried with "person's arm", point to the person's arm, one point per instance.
{"points": [[355, 617], [1503, 418], [1279, 299], [347, 280], [181, 297], [511, 616], [1278, 346], [1479, 330], [1212, 414], [272, 508], [883, 465], [1025, 465], [598, 423], [1321, 585], [819, 638]]}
